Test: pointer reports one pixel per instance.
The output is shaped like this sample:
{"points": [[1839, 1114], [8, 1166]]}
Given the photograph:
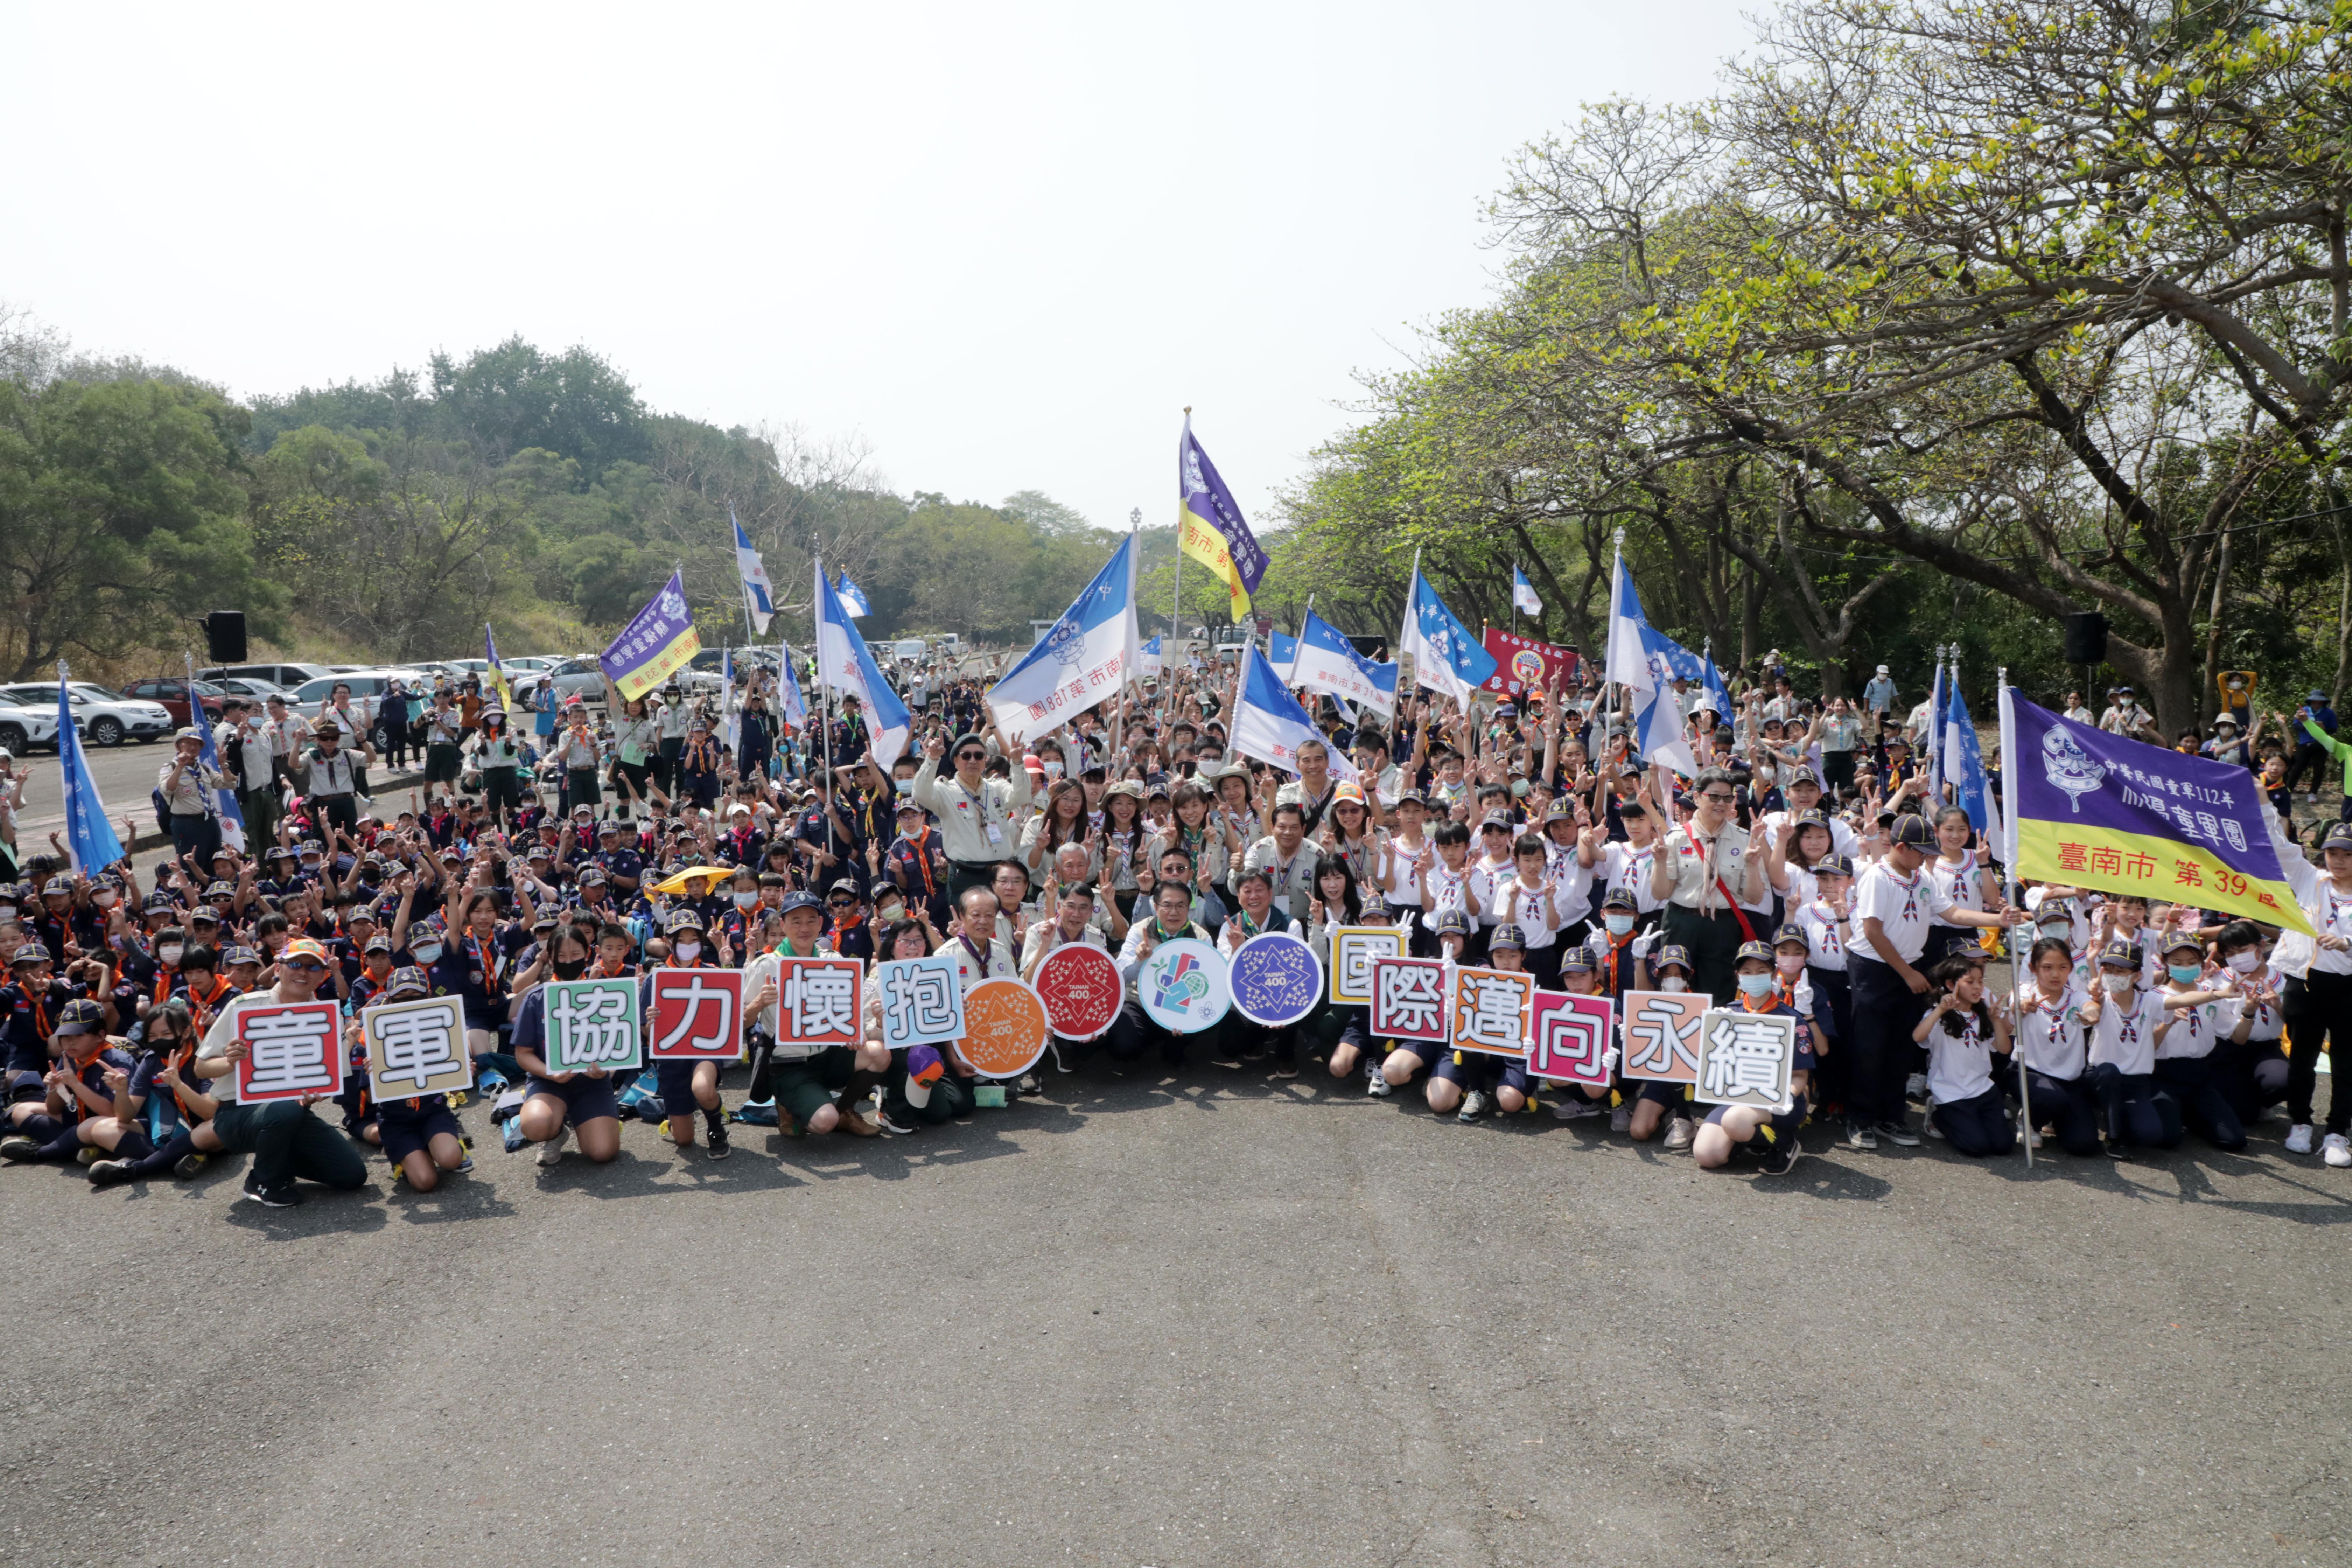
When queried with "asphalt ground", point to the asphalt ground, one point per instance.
{"points": [[1202, 1319]]}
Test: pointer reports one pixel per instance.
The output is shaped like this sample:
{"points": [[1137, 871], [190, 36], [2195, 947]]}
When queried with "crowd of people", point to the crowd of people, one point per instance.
{"points": [[1805, 870]]}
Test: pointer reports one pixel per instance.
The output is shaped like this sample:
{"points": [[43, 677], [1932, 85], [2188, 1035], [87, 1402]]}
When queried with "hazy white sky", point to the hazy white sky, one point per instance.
{"points": [[1007, 244]]}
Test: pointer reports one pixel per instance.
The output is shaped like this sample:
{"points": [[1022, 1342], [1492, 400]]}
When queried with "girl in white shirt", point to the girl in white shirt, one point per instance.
{"points": [[1965, 878], [2184, 1062], [2125, 1023], [1531, 900], [2048, 1032], [2317, 999], [2248, 1063], [1963, 1034]]}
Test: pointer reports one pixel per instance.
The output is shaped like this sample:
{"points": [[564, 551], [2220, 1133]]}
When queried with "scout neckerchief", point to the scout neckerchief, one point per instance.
{"points": [[488, 962], [80, 1067], [1828, 927], [1961, 875], [1250, 926]]}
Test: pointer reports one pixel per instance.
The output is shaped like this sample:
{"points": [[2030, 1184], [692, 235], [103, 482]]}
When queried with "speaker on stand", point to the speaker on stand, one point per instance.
{"points": [[225, 636], [2085, 644]]}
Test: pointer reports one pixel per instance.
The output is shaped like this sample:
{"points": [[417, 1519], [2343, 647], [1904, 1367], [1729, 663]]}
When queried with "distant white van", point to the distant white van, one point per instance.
{"points": [[910, 650]]}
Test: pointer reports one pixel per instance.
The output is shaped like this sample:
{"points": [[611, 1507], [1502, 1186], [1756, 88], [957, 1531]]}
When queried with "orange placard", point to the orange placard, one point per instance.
{"points": [[1004, 1027]]}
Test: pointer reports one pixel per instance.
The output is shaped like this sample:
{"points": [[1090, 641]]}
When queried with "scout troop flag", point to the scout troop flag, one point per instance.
{"points": [[91, 843], [853, 598], [1210, 526], [1643, 660], [655, 645], [844, 663], [1445, 657], [498, 671], [757, 594], [2095, 810], [1085, 658], [1523, 593], [1324, 660], [1270, 725]]}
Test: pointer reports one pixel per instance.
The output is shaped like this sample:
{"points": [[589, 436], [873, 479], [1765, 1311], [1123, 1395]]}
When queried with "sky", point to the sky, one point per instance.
{"points": [[1002, 246]]}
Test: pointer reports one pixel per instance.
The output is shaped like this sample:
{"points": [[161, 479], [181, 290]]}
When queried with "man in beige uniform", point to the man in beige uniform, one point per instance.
{"points": [[980, 818]]}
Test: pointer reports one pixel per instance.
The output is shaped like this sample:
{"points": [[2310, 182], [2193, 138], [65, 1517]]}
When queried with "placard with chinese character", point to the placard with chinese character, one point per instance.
{"points": [[1408, 1000], [821, 1001], [697, 1017], [1570, 1039], [1490, 1010], [1745, 1058], [416, 1047], [1661, 1030], [922, 1000], [1353, 951], [292, 1050], [592, 1023]]}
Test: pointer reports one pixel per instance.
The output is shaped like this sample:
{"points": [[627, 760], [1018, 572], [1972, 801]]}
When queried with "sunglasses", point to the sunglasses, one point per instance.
{"points": [[972, 756], [305, 966]]}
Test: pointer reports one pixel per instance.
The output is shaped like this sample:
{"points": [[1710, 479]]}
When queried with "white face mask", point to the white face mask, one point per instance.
{"points": [[2060, 930], [2246, 962], [1053, 770], [103, 900], [7, 911], [745, 901], [2119, 985], [1673, 982], [688, 950], [170, 952], [1619, 924], [425, 952]]}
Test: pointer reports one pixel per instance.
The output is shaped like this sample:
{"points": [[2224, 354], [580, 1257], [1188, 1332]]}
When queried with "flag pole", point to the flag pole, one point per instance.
{"points": [[1176, 607], [824, 724], [2008, 936]]}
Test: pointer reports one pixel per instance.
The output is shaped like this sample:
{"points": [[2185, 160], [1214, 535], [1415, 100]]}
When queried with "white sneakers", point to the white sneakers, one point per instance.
{"points": [[2337, 1149], [2298, 1138], [551, 1152]]}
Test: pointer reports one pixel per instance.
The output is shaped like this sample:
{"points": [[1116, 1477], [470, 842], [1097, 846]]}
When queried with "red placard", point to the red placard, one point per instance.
{"points": [[1570, 1039], [696, 1016], [293, 1051], [821, 1001], [1525, 664], [1081, 989], [1408, 1000]]}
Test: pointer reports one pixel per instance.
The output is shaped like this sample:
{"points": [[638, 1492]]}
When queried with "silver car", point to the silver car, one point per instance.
{"points": [[103, 718]]}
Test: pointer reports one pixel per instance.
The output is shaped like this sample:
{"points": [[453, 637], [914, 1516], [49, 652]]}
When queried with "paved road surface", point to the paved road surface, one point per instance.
{"points": [[1203, 1320]]}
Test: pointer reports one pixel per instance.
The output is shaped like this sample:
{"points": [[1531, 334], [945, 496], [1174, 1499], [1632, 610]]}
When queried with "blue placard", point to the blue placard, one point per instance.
{"points": [[921, 999], [1275, 979]]}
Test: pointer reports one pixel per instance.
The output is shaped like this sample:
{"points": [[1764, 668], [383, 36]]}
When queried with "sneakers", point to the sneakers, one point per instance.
{"points": [[1778, 1160], [2337, 1149], [1474, 1106], [1927, 1120], [1680, 1133], [2298, 1140], [281, 1196], [106, 1172], [892, 1125], [717, 1148], [1376, 1083], [1622, 1119], [2115, 1149], [1915, 1087], [1898, 1134], [551, 1152], [88, 1154], [1576, 1107], [1226, 1060], [190, 1164], [1284, 1069], [1860, 1135], [16, 1149]]}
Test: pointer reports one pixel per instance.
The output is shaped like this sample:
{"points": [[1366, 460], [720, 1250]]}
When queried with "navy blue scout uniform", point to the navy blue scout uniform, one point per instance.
{"points": [[409, 1124], [1776, 1139]]}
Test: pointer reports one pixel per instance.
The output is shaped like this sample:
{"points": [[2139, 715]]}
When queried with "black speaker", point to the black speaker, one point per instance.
{"points": [[225, 636], [2086, 638]]}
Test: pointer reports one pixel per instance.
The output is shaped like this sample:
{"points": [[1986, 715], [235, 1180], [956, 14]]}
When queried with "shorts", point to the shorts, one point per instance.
{"points": [[1658, 1093], [414, 1135], [440, 765], [584, 1098], [1477, 1069], [676, 1081], [806, 1087]]}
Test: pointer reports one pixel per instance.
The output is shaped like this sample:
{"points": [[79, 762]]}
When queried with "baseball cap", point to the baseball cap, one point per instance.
{"points": [[2122, 952], [302, 947], [1761, 951], [1913, 832], [1506, 935]]}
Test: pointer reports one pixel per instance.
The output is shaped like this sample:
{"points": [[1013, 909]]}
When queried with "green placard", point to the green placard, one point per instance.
{"points": [[592, 1023]]}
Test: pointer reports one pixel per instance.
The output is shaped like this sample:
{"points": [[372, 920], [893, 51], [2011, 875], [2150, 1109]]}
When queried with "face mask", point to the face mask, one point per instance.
{"points": [[170, 952], [1619, 924], [570, 969], [7, 911], [2060, 930], [1053, 770], [890, 913], [1790, 962], [103, 900], [1673, 982], [2246, 962], [2118, 984], [688, 950], [425, 952], [2184, 972], [1756, 984], [745, 901]]}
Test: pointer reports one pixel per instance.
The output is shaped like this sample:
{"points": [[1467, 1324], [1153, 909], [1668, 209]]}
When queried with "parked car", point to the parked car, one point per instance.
{"points": [[285, 677], [581, 678], [172, 695], [368, 687], [25, 726], [252, 689], [103, 718]]}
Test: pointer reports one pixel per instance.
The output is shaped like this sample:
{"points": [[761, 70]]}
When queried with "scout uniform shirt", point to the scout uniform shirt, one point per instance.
{"points": [[977, 828]]}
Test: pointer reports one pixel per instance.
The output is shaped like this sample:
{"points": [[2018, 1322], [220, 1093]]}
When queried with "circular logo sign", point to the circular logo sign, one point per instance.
{"points": [[1081, 989], [1275, 979], [1004, 1027], [1183, 986], [1528, 669]]}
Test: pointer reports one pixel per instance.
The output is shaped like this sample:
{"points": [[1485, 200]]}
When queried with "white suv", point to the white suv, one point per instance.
{"points": [[22, 728]]}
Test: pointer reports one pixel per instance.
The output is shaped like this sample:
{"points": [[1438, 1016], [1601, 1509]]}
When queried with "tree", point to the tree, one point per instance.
{"points": [[121, 518]]}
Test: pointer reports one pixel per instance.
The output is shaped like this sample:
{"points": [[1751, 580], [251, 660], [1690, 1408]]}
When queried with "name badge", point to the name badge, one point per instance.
{"points": [[995, 834]]}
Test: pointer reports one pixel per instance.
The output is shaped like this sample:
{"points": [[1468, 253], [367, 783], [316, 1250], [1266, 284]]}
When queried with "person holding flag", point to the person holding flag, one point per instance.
{"points": [[497, 671], [187, 783]]}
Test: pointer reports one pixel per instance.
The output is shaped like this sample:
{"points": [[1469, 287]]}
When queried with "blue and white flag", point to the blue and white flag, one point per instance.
{"points": [[1085, 657], [1928, 744], [1523, 593], [1148, 665], [754, 574], [1447, 655], [845, 664], [729, 725], [853, 598], [1963, 759], [788, 688], [1281, 650], [223, 804], [91, 843], [1719, 695], [1270, 725], [1643, 660], [1327, 661]]}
